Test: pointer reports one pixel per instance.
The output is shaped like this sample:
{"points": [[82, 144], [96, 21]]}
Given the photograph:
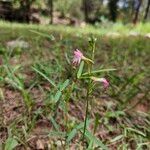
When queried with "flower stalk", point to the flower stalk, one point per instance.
{"points": [[87, 110], [80, 60]]}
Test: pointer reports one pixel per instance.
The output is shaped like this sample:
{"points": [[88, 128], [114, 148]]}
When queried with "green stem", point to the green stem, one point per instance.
{"points": [[93, 51], [86, 114], [88, 89]]}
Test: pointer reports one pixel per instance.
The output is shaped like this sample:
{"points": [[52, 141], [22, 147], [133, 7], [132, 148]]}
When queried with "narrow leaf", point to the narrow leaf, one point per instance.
{"points": [[117, 138], [64, 85], [90, 147], [136, 131], [91, 137], [99, 71], [57, 96], [51, 37], [57, 134], [56, 126], [80, 69], [72, 134], [44, 76]]}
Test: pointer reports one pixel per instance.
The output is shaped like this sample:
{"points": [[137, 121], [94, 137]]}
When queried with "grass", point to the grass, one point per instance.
{"points": [[141, 28], [42, 107]]}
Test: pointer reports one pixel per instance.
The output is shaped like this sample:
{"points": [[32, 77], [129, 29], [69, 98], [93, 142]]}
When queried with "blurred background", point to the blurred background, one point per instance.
{"points": [[75, 12]]}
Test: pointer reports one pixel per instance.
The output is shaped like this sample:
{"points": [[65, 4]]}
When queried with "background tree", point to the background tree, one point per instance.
{"points": [[85, 9], [137, 9], [91, 10], [113, 12], [147, 10], [25, 7], [50, 4]]}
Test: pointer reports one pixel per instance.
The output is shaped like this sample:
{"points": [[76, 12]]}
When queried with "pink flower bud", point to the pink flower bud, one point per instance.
{"points": [[103, 80], [78, 56]]}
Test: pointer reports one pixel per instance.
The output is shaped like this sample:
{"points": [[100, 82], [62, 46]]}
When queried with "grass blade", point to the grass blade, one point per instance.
{"points": [[44, 76], [99, 71], [57, 134], [51, 37], [64, 85], [57, 96], [72, 134], [117, 138], [95, 140], [56, 126]]}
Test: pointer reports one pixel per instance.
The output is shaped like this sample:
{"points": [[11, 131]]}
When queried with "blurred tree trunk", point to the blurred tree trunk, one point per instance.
{"points": [[6, 10], [133, 4], [25, 6], [50, 2], [112, 4], [91, 9], [85, 8], [147, 10], [137, 9]]}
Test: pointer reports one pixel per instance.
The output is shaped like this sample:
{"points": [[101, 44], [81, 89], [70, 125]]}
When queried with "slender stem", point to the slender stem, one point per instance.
{"points": [[88, 89], [86, 114], [93, 51]]}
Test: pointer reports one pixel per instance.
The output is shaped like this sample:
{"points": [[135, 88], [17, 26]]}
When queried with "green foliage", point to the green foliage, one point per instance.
{"points": [[95, 141], [11, 143], [44, 76], [80, 69]]}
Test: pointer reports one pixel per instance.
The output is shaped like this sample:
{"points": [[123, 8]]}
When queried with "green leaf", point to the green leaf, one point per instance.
{"points": [[136, 131], [90, 147], [64, 85], [62, 105], [99, 71], [57, 96], [1, 78], [80, 69], [14, 83], [72, 134], [51, 37], [56, 126], [57, 134], [117, 138], [95, 140], [114, 114], [11, 143], [17, 67], [44, 76]]}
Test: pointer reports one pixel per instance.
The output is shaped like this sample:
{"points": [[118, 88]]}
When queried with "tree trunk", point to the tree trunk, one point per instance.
{"points": [[147, 10], [25, 8], [137, 9], [85, 8], [132, 11], [51, 10], [113, 9]]}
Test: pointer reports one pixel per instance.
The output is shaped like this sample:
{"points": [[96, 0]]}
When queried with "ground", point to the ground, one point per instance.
{"points": [[30, 118]]}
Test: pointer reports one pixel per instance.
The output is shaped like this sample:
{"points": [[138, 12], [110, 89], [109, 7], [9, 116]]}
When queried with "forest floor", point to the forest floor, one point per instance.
{"points": [[33, 57]]}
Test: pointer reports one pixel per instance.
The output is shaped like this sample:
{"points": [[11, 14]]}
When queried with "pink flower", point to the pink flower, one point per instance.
{"points": [[103, 80], [78, 56]]}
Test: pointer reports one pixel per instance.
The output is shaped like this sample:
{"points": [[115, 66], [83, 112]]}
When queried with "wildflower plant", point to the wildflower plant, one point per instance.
{"points": [[81, 62]]}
